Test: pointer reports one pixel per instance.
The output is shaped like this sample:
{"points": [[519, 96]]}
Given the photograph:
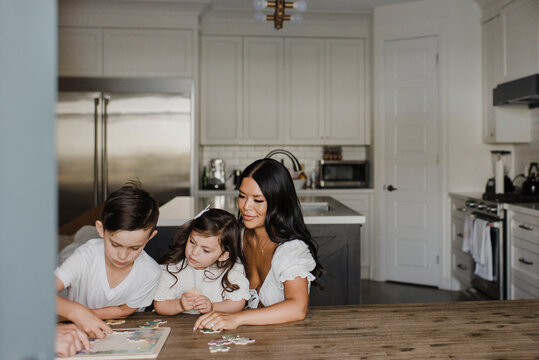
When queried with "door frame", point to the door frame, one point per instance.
{"points": [[379, 155]]}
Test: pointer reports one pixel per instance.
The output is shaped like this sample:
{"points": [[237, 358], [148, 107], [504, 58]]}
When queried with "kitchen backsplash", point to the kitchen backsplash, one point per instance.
{"points": [[239, 156], [529, 152]]}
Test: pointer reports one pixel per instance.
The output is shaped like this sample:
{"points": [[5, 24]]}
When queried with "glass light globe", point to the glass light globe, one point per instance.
{"points": [[259, 17], [296, 18], [260, 4], [300, 5]]}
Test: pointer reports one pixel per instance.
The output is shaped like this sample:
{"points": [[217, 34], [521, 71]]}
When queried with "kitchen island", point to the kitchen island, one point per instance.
{"points": [[460, 330], [335, 229]]}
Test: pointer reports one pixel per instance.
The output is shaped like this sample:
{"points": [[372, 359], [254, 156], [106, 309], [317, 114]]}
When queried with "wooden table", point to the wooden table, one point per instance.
{"points": [[460, 330]]}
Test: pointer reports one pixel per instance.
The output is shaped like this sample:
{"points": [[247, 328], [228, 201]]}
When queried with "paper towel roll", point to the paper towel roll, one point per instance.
{"points": [[499, 177]]}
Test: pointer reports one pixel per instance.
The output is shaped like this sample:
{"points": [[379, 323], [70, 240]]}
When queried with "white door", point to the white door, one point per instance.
{"points": [[411, 132]]}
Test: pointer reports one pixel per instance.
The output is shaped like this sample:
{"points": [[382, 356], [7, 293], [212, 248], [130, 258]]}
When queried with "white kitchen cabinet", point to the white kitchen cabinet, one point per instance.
{"points": [[461, 262], [325, 100], [523, 256], [304, 91], [221, 96], [345, 98], [309, 91], [521, 39], [80, 51], [263, 90], [148, 52], [125, 52], [510, 51]]}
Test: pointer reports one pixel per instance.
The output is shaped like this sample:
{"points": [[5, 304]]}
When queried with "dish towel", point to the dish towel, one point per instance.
{"points": [[482, 249], [467, 233]]}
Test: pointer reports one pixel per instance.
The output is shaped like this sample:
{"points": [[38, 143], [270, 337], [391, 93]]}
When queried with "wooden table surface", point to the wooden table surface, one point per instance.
{"points": [[459, 330]]}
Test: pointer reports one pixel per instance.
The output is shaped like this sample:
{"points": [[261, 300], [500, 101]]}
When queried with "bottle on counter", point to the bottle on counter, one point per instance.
{"points": [[204, 178]]}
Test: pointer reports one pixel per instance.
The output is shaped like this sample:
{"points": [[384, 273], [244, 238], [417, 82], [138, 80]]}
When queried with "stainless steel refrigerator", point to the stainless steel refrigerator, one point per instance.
{"points": [[113, 130]]}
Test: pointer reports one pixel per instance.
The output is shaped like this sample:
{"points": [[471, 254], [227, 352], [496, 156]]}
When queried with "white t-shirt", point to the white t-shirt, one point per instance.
{"points": [[290, 260], [208, 281], [84, 275]]}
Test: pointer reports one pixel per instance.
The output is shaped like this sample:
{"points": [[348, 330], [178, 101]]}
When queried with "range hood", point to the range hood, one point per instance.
{"points": [[520, 91]]}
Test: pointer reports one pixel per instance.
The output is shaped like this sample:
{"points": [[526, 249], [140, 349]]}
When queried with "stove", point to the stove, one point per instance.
{"points": [[511, 198]]}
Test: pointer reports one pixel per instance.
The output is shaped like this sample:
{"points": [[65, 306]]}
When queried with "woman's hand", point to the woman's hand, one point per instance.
{"points": [[203, 304], [216, 320], [70, 340]]}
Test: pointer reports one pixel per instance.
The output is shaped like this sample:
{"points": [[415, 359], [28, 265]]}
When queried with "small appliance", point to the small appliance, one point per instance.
{"points": [[216, 175], [501, 182], [531, 185], [343, 173]]}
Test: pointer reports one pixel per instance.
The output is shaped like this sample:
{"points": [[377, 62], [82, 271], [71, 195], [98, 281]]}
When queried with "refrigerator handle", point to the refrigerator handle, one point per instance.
{"points": [[105, 172], [97, 195]]}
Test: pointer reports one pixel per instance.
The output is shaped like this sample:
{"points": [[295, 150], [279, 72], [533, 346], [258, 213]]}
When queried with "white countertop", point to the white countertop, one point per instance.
{"points": [[183, 208]]}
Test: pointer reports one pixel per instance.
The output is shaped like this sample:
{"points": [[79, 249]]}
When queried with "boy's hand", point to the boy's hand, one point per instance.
{"points": [[86, 320], [203, 304], [187, 301]]}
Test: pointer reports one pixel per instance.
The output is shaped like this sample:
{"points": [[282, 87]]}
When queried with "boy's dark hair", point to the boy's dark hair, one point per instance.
{"points": [[213, 222], [130, 208]]}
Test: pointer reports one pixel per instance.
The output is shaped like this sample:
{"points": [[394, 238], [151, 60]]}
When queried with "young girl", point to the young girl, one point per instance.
{"points": [[202, 269]]}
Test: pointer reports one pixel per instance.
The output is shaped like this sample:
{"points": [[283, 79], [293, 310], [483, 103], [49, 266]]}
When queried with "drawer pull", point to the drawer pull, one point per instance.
{"points": [[462, 267], [525, 227], [460, 235], [462, 209], [526, 262]]}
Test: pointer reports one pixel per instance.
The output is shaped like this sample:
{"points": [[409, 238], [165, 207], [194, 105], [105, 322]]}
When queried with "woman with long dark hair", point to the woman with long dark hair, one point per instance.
{"points": [[278, 249]]}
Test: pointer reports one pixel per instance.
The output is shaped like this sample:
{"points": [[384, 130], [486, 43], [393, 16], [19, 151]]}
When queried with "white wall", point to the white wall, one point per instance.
{"points": [[465, 160]]}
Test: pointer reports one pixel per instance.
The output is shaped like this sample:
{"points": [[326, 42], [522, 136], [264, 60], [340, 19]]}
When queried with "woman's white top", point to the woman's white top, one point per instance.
{"points": [[207, 281], [290, 260]]}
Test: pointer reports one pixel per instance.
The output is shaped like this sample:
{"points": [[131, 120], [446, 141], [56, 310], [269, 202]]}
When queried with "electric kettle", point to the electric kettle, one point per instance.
{"points": [[217, 176], [531, 185]]}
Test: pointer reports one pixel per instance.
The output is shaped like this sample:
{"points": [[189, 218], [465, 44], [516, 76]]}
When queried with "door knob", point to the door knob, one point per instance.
{"points": [[391, 188]]}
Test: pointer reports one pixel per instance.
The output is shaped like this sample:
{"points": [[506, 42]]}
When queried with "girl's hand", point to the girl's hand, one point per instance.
{"points": [[187, 300], [203, 304], [215, 320]]}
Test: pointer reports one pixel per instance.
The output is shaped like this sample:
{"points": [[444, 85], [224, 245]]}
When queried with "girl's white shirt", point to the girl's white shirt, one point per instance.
{"points": [[290, 260], [208, 281]]}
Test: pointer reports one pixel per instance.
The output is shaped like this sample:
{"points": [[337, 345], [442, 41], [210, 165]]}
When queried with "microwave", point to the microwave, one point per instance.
{"points": [[343, 174]]}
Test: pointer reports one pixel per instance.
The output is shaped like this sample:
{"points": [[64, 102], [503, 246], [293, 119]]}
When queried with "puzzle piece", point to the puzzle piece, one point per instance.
{"points": [[218, 342], [209, 331], [242, 341], [153, 324], [222, 348], [230, 336], [114, 321]]}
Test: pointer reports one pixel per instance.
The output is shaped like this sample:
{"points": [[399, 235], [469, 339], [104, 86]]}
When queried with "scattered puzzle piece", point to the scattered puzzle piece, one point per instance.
{"points": [[242, 341], [222, 348], [218, 342], [209, 331], [229, 336], [153, 324], [114, 321]]}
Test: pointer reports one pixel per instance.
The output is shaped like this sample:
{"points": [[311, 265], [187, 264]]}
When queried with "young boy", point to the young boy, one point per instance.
{"points": [[112, 276]]}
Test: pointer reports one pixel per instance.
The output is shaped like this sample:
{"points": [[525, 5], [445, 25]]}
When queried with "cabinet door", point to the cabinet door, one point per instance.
{"points": [[492, 73], [345, 81], [144, 52], [221, 95], [304, 92], [80, 51], [263, 90], [520, 31]]}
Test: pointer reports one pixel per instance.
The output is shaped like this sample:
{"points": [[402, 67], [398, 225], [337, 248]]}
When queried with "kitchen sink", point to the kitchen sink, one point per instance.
{"points": [[315, 206]]}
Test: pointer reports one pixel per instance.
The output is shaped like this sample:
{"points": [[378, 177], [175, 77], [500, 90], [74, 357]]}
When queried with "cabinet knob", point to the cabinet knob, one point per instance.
{"points": [[391, 188], [462, 267]]}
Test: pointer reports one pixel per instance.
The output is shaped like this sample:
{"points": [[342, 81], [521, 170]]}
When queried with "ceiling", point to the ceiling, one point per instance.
{"points": [[317, 5]]}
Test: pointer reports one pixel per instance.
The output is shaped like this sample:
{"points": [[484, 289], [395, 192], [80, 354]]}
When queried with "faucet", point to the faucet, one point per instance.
{"points": [[295, 163]]}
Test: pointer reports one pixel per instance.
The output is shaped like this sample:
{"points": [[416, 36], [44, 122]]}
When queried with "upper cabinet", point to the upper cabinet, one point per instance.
{"points": [[295, 90], [510, 51], [124, 52]]}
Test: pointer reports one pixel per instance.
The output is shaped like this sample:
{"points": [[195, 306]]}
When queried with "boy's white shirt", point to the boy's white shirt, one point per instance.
{"points": [[84, 275]]}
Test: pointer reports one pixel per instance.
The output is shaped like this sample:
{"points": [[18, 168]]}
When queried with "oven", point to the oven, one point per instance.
{"points": [[493, 214]]}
